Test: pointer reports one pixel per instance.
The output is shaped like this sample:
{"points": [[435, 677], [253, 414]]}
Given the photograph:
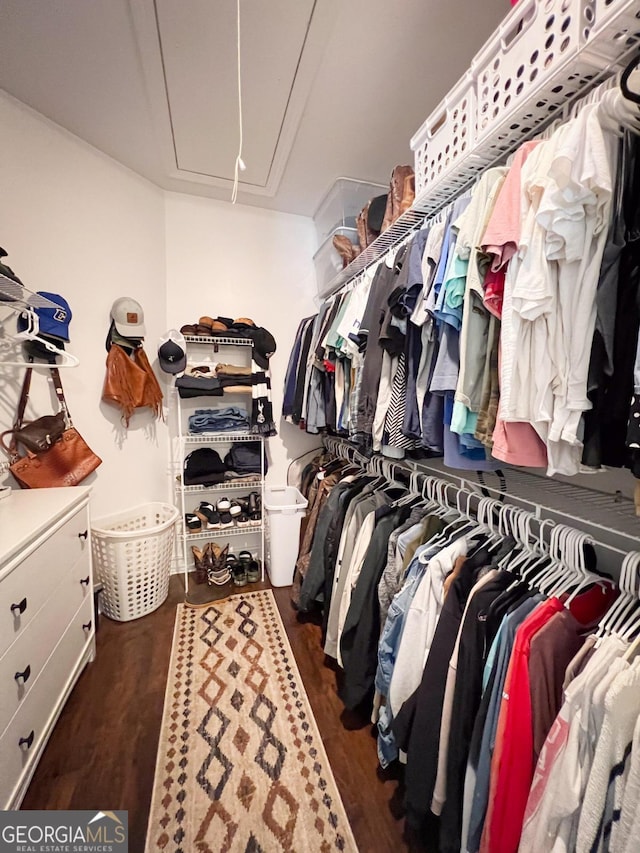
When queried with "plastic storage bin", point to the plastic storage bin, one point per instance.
{"points": [[342, 203], [532, 65], [327, 261], [132, 555], [446, 136], [284, 508], [616, 30]]}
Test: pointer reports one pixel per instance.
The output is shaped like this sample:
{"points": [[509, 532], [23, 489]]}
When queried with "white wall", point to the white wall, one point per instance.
{"points": [[77, 223], [240, 261]]}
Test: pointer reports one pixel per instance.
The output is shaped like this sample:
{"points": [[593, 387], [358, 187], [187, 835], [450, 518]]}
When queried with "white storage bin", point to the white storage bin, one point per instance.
{"points": [[616, 29], [132, 555], [327, 261], [342, 203], [284, 507], [446, 136], [531, 66]]}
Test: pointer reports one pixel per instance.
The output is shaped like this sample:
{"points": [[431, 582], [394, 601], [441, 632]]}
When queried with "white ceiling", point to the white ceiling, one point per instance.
{"points": [[330, 87]]}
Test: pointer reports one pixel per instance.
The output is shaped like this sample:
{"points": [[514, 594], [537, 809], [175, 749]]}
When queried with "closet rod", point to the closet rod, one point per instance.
{"points": [[611, 542]]}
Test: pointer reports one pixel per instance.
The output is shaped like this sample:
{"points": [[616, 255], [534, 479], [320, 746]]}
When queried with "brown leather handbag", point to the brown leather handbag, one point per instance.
{"points": [[39, 435], [66, 462]]}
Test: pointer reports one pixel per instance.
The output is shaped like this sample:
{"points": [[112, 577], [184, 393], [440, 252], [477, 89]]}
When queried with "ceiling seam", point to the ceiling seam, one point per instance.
{"points": [[166, 87], [293, 83]]}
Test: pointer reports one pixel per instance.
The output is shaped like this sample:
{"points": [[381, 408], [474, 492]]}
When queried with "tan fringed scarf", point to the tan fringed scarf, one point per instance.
{"points": [[130, 383]]}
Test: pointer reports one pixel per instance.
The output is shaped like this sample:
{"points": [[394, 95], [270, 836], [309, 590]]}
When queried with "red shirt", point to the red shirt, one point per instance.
{"points": [[512, 761], [512, 765]]}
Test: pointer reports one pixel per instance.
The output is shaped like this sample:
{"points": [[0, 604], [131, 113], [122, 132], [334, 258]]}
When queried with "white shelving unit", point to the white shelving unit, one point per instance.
{"points": [[207, 350]]}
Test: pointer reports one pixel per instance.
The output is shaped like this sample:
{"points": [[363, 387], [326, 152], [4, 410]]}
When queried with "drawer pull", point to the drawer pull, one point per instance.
{"points": [[87, 625], [20, 607], [85, 581], [27, 741], [83, 535], [23, 675]]}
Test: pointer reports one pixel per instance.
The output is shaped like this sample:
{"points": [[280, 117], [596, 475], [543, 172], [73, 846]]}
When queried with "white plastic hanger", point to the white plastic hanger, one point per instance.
{"points": [[31, 334], [626, 602]]}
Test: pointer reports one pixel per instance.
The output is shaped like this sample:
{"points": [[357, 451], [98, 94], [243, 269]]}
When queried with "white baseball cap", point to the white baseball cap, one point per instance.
{"points": [[128, 316]]}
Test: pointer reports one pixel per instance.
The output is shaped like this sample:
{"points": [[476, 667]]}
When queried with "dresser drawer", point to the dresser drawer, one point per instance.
{"points": [[23, 739], [22, 663], [25, 589]]}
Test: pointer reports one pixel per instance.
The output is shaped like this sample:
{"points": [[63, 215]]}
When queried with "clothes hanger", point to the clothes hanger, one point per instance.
{"points": [[535, 552], [538, 568], [625, 622], [576, 576], [31, 334], [631, 75], [624, 604]]}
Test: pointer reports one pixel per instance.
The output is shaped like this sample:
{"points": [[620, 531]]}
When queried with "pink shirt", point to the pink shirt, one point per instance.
{"points": [[502, 235]]}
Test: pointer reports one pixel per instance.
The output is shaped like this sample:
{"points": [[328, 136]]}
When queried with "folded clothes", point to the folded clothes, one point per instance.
{"points": [[192, 386], [237, 389], [225, 380], [232, 370], [219, 420], [242, 478]]}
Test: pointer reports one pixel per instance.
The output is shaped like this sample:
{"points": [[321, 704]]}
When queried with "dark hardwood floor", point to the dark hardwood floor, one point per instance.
{"points": [[102, 752]]}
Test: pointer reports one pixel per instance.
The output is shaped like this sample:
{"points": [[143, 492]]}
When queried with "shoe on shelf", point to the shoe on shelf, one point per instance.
{"points": [[224, 506], [235, 511], [193, 522], [255, 509], [209, 514], [238, 570], [251, 565], [243, 519]]}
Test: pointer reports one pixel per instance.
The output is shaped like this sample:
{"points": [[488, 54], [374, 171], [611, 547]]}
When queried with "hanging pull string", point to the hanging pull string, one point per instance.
{"points": [[239, 164]]}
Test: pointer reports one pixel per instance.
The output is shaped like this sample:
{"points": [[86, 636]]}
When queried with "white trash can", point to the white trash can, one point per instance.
{"points": [[284, 508]]}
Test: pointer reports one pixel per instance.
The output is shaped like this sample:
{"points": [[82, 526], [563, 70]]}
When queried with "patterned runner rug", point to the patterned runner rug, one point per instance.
{"points": [[241, 766]]}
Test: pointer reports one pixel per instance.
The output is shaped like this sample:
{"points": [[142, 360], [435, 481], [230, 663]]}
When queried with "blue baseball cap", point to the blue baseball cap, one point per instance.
{"points": [[51, 321]]}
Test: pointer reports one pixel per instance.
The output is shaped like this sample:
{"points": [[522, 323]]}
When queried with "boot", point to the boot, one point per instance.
{"points": [[361, 225], [400, 173], [345, 248], [408, 193], [200, 558], [217, 570], [388, 211]]}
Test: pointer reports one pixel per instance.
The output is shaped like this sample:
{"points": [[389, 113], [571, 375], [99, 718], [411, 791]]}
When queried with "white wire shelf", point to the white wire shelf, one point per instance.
{"points": [[219, 340], [12, 293], [228, 485], [219, 437], [222, 534]]}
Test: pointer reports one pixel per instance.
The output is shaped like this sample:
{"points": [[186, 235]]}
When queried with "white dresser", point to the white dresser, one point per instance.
{"points": [[47, 625]]}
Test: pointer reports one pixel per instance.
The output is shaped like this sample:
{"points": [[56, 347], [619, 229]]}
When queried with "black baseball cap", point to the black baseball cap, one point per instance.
{"points": [[264, 346], [172, 352]]}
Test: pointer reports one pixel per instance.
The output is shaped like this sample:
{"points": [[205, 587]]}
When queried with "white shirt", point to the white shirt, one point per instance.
{"points": [[420, 624], [563, 767], [363, 540]]}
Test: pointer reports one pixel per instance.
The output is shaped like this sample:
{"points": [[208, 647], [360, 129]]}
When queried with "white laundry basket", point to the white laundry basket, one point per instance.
{"points": [[132, 555], [284, 507]]}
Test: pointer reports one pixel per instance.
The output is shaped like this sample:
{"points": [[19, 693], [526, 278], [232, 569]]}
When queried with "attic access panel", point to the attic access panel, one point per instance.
{"points": [[199, 55]]}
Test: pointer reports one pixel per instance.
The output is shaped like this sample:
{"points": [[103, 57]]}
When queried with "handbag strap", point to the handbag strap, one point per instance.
{"points": [[12, 449], [57, 384], [24, 397]]}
